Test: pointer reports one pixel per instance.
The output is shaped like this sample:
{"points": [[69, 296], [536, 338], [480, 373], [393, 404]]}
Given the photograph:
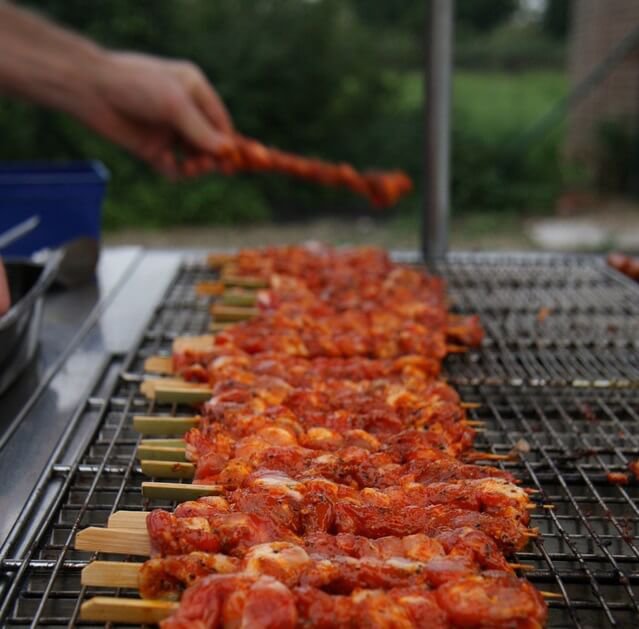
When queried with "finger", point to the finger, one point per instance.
{"points": [[197, 130], [189, 167], [197, 165], [207, 164], [135, 138], [166, 164], [5, 295], [148, 143], [211, 104]]}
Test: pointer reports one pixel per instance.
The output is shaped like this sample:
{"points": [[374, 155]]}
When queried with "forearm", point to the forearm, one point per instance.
{"points": [[44, 63]]}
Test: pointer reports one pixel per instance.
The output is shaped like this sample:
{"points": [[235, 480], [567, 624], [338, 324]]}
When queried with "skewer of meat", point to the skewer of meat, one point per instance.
{"points": [[469, 602], [335, 407], [354, 466], [246, 600], [334, 563], [382, 189], [129, 533], [297, 371]]}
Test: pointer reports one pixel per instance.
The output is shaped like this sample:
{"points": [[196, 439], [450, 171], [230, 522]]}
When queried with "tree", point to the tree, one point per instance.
{"points": [[483, 15], [556, 18]]}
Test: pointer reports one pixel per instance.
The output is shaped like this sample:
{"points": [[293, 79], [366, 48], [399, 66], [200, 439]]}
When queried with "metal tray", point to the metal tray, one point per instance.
{"points": [[20, 326]]}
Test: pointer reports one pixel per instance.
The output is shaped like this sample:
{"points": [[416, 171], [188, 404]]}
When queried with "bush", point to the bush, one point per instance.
{"points": [[490, 175], [512, 48]]}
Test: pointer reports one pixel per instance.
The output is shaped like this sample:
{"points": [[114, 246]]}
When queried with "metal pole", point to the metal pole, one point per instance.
{"points": [[439, 46]]}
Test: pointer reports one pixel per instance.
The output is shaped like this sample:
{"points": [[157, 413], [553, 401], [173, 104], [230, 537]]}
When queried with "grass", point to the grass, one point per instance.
{"points": [[498, 103]]}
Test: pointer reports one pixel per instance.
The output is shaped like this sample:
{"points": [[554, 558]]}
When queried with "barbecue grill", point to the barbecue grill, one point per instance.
{"points": [[556, 380]]}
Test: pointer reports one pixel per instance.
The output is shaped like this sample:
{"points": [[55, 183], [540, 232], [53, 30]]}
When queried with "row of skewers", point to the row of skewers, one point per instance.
{"points": [[333, 476]]}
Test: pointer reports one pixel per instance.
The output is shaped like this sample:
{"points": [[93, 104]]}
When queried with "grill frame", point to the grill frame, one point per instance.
{"points": [[582, 553]]}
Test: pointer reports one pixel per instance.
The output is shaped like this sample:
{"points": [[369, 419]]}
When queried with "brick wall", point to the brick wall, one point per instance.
{"points": [[599, 25]]}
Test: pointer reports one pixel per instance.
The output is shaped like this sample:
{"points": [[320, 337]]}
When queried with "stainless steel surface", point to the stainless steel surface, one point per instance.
{"points": [[439, 45], [20, 326], [85, 333]]}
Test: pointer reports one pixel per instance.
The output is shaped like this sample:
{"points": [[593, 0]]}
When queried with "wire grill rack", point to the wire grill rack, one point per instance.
{"points": [[570, 433]]}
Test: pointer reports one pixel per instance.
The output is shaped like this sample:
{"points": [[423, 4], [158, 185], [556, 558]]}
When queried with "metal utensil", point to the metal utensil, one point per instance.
{"points": [[18, 231]]}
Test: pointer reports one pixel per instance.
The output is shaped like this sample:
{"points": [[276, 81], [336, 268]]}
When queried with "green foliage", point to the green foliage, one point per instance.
{"points": [[556, 18], [514, 47], [483, 15], [490, 170]]}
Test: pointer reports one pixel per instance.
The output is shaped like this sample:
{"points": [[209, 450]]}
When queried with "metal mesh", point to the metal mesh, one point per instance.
{"points": [[569, 438]]}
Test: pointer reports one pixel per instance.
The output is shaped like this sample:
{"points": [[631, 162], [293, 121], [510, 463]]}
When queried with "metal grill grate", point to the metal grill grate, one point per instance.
{"points": [[570, 437]]}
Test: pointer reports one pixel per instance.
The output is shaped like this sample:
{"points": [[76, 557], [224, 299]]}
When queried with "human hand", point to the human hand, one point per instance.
{"points": [[154, 107], [5, 297]]}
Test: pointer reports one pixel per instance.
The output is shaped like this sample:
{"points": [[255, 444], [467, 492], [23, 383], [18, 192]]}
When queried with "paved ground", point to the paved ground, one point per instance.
{"points": [[615, 226]]}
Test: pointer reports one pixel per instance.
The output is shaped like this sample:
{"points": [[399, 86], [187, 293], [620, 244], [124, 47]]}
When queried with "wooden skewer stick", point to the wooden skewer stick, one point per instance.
{"points": [[231, 278], [149, 385], [174, 393], [111, 574], [469, 405], [240, 297], [128, 520], [218, 260], [209, 289], [179, 491], [119, 541], [159, 425], [168, 469], [130, 611], [159, 364], [182, 395], [161, 453], [233, 313], [219, 326], [551, 595], [524, 567], [488, 456], [164, 443]]}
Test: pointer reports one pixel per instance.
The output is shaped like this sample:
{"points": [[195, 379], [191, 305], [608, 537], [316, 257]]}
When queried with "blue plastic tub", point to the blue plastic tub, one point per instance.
{"points": [[67, 197]]}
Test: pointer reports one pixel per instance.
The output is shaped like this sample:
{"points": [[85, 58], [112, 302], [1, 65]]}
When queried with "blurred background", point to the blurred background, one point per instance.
{"points": [[545, 142]]}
